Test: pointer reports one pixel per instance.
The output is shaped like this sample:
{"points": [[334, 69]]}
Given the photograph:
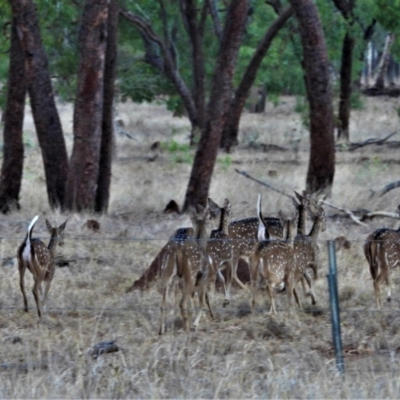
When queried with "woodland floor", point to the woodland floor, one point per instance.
{"points": [[289, 355]]}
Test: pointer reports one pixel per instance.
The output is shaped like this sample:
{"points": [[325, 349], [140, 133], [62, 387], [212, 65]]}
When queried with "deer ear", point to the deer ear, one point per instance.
{"points": [[214, 208], [48, 225], [227, 204], [63, 225]]}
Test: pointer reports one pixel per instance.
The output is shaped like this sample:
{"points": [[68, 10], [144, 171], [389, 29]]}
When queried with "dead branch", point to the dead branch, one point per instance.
{"points": [[357, 145], [103, 348], [347, 212], [386, 189], [380, 214]]}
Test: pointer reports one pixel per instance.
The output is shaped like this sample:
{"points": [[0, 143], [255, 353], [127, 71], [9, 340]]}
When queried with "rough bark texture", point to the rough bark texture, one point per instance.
{"points": [[195, 32], [346, 8], [47, 122], [231, 129], [13, 146], [88, 111], [206, 154], [110, 67], [384, 62], [321, 167], [345, 87]]}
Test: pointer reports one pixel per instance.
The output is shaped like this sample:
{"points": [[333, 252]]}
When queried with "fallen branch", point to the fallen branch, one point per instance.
{"points": [[380, 214], [354, 146], [347, 212], [386, 189]]}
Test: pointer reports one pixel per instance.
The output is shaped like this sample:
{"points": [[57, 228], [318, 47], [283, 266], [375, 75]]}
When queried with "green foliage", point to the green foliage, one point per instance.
{"points": [[302, 107], [225, 161], [180, 153], [356, 101]]}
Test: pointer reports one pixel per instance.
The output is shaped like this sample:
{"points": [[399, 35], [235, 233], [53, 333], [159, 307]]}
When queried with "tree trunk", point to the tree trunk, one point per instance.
{"points": [[13, 146], [384, 62], [231, 129], [88, 112], [346, 69], [321, 167], [206, 154], [195, 32], [47, 121], [104, 179]]}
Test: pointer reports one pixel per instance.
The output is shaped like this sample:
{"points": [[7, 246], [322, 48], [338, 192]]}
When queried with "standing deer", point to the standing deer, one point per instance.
{"points": [[382, 250], [188, 261], [39, 259], [306, 248], [273, 261]]}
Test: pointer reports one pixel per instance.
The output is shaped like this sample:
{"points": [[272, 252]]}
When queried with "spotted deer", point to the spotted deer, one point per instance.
{"points": [[39, 259], [306, 248], [272, 261], [382, 250], [188, 261]]}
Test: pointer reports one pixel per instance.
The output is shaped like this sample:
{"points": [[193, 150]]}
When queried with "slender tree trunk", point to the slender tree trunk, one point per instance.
{"points": [[321, 167], [206, 154], [195, 32], [13, 146], [47, 121], [384, 62], [110, 67], [346, 70], [88, 112], [231, 129]]}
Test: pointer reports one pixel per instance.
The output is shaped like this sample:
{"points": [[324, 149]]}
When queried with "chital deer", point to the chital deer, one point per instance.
{"points": [[190, 264], [39, 259], [273, 261], [306, 248], [382, 250]]}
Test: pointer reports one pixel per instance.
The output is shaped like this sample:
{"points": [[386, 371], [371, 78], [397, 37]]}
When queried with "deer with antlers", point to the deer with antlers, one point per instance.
{"points": [[38, 258], [382, 250], [272, 261]]}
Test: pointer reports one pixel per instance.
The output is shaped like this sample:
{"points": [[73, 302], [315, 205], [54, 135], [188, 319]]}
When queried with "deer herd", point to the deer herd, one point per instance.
{"points": [[280, 254]]}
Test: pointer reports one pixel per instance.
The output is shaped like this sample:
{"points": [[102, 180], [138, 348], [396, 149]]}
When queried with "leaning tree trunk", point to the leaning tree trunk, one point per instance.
{"points": [[13, 146], [104, 178], [84, 164], [321, 167], [206, 154], [47, 121], [346, 69], [231, 129], [384, 62]]}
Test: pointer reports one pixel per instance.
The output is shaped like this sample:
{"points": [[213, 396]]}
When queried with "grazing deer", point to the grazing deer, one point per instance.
{"points": [[382, 250], [273, 261], [39, 259], [306, 248], [188, 261]]}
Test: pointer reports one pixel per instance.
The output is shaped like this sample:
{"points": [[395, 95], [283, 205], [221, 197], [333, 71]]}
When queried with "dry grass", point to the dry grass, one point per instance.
{"points": [[238, 355]]}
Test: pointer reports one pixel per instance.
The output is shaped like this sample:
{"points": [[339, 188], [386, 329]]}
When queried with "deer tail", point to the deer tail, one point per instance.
{"points": [[30, 228]]}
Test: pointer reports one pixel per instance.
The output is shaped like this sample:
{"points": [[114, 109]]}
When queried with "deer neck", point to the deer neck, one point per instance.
{"points": [[53, 243], [224, 222], [301, 227], [315, 228]]}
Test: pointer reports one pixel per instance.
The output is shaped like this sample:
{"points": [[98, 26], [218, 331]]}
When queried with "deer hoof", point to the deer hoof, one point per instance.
{"points": [[389, 299], [225, 303]]}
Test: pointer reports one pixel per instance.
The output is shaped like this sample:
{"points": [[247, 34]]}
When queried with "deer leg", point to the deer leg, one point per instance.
{"points": [[161, 331], [271, 299], [253, 279], [388, 283], [35, 292], [222, 279], [22, 269], [235, 264], [297, 298], [186, 307], [310, 292], [46, 292]]}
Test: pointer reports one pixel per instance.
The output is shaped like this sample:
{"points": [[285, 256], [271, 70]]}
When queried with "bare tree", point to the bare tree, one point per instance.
{"points": [[217, 110], [13, 147], [321, 168], [45, 114], [88, 112]]}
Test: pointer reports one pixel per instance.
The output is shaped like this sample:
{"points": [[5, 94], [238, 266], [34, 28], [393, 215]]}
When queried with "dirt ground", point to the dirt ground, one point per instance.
{"points": [[237, 355]]}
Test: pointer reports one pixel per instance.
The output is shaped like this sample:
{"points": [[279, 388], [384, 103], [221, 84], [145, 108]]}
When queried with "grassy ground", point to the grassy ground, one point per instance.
{"points": [[237, 355]]}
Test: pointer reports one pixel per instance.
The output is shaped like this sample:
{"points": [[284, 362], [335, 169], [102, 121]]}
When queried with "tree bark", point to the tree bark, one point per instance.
{"points": [[321, 167], [88, 112], [206, 154], [110, 68], [47, 121], [231, 129], [346, 70], [13, 146]]}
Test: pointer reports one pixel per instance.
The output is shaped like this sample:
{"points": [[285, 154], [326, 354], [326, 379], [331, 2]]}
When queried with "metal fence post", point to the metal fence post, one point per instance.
{"points": [[334, 301]]}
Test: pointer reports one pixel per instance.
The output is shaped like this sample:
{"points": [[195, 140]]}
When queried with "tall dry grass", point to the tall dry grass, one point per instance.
{"points": [[237, 355]]}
